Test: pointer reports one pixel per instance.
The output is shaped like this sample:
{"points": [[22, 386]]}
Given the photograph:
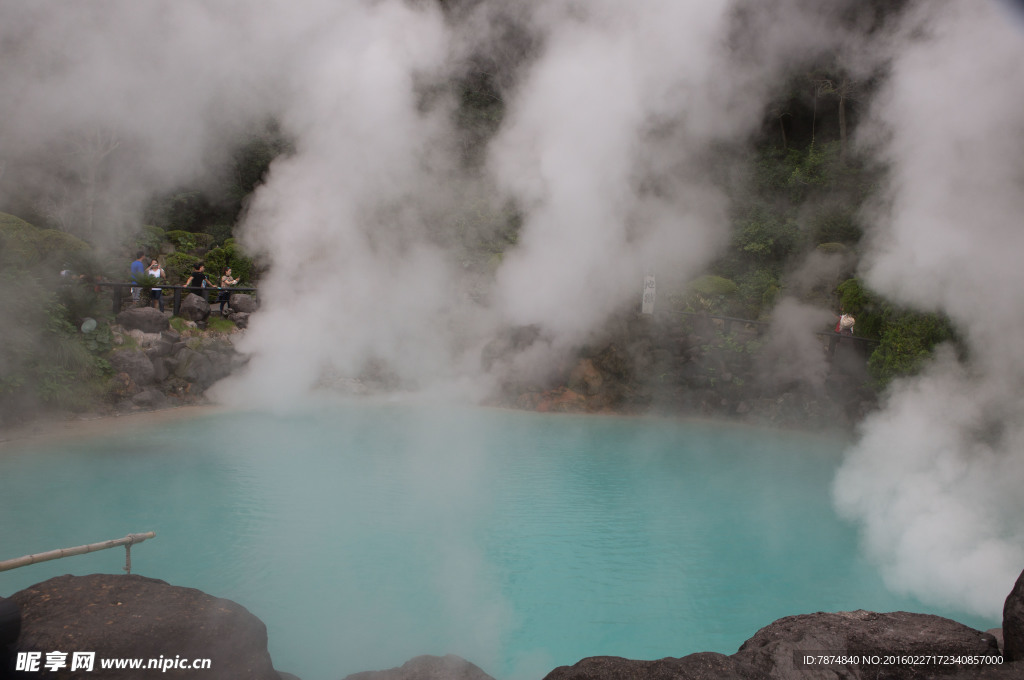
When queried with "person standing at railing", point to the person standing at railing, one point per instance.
{"points": [[157, 293], [138, 269], [226, 281], [198, 279]]}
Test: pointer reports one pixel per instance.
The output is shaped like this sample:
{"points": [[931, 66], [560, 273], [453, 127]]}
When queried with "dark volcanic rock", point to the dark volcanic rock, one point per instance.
{"points": [[194, 308], [135, 363], [426, 667], [702, 666], [773, 650], [242, 302], [585, 378], [241, 319], [145, 319], [1013, 622], [138, 617], [194, 367], [150, 398]]}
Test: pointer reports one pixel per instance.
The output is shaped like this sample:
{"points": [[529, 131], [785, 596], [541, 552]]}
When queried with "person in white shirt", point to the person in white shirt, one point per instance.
{"points": [[157, 273]]}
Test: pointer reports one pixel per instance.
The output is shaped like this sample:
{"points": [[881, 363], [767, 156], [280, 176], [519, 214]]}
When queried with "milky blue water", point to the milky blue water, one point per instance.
{"points": [[364, 535]]}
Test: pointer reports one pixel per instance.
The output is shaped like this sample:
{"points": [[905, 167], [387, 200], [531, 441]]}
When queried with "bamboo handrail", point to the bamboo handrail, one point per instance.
{"points": [[127, 542]]}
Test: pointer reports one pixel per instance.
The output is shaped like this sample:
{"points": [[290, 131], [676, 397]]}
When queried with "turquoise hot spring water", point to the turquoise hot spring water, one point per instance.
{"points": [[366, 534]]}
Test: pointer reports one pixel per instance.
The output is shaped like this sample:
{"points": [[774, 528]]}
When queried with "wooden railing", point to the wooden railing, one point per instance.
{"points": [[128, 541]]}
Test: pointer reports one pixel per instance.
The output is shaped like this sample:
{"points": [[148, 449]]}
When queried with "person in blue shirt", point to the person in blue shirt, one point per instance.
{"points": [[138, 269]]}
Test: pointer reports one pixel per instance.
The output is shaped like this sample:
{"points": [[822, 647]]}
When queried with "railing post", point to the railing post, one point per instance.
{"points": [[177, 300], [79, 550], [117, 299]]}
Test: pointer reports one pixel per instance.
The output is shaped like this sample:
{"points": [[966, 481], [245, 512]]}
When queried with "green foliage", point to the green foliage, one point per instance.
{"points": [[179, 266], [190, 242], [908, 340], [711, 285], [181, 239], [183, 210], [219, 325], [758, 289], [833, 248], [99, 342], [710, 294], [836, 224], [81, 302], [43, 356], [813, 167], [204, 241], [179, 324], [219, 232], [148, 238], [252, 159], [216, 260], [230, 255], [866, 307], [24, 245], [765, 235]]}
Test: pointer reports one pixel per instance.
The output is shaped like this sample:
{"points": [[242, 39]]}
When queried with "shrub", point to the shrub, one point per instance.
{"points": [[713, 286], [220, 232], [866, 307], [766, 235], [836, 225], [908, 340], [178, 267], [710, 293], [757, 291], [148, 238], [190, 242], [24, 245]]}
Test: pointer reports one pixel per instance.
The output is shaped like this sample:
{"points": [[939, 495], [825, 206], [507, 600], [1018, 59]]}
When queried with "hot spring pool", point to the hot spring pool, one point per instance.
{"points": [[364, 535]]}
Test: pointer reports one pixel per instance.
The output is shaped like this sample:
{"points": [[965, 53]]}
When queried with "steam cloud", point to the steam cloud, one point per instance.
{"points": [[610, 147], [933, 478]]}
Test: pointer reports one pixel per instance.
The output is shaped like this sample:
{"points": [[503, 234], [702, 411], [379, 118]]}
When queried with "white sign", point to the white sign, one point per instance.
{"points": [[648, 304]]}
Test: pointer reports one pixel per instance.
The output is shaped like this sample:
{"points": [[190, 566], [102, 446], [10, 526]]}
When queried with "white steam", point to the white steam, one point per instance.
{"points": [[612, 148], [602, 150], [935, 477], [343, 222], [793, 352], [103, 103]]}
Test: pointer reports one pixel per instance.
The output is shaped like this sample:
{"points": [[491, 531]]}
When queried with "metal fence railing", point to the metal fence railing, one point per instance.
{"points": [[122, 291]]}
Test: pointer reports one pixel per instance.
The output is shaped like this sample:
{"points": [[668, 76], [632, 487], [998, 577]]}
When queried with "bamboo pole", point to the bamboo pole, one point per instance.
{"points": [[127, 541]]}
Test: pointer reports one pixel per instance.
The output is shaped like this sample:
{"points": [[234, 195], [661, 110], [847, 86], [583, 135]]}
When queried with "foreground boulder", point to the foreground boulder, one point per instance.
{"points": [[142, 618], [194, 308], [145, 319], [1013, 622], [242, 302], [702, 666], [427, 667], [775, 650], [135, 363]]}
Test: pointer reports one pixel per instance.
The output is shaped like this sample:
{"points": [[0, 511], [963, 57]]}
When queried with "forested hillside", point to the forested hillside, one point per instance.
{"points": [[798, 194]]}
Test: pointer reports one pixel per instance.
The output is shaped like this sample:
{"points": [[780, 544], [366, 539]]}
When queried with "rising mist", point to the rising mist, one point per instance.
{"points": [[615, 143]]}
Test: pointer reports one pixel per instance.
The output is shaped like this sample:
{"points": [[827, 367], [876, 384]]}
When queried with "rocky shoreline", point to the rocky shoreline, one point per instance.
{"points": [[130, 616], [658, 365]]}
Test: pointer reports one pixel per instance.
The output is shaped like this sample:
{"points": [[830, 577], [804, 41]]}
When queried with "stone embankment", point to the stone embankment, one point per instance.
{"points": [[696, 366], [165, 367], [137, 617]]}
